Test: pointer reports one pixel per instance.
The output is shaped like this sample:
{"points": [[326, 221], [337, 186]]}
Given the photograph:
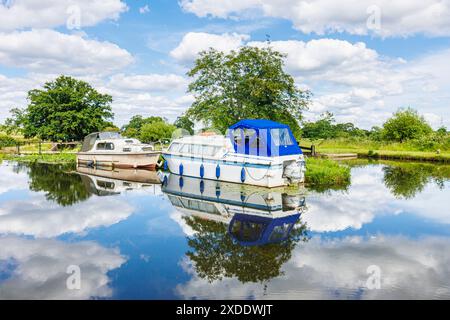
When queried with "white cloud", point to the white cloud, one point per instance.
{"points": [[337, 269], [148, 82], [22, 14], [39, 268], [429, 17], [144, 9], [195, 42], [49, 51]]}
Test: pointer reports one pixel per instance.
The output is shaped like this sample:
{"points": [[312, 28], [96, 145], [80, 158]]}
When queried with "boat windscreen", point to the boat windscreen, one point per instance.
{"points": [[89, 142], [109, 135]]}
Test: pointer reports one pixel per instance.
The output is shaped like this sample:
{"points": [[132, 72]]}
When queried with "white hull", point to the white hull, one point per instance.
{"points": [[119, 160], [257, 171]]}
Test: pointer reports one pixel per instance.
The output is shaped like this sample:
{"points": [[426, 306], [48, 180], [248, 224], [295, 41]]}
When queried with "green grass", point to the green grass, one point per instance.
{"points": [[324, 172], [379, 150], [43, 158]]}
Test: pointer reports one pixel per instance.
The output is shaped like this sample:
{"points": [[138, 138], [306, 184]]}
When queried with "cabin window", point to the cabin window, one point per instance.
{"points": [[175, 147], [175, 201], [281, 137], [105, 146], [128, 141], [105, 184], [126, 149], [186, 148], [247, 230], [200, 206], [280, 232]]}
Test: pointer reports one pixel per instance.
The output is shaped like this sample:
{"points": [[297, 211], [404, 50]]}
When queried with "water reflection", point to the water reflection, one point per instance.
{"points": [[58, 182], [405, 180], [237, 231], [106, 181]]}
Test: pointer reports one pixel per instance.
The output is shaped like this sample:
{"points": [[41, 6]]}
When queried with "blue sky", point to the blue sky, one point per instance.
{"points": [[362, 60]]}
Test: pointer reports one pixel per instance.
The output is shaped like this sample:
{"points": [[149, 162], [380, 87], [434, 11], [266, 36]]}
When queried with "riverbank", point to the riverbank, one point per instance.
{"points": [[379, 150], [326, 173], [62, 157]]}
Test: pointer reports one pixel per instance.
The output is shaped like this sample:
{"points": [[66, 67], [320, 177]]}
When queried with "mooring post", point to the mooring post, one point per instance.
{"points": [[40, 147], [18, 148], [313, 150]]}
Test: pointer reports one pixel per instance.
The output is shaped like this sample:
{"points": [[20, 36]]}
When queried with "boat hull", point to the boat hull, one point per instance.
{"points": [[146, 160], [257, 173]]}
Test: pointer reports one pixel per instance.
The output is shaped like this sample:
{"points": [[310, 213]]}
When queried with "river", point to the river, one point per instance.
{"points": [[118, 235]]}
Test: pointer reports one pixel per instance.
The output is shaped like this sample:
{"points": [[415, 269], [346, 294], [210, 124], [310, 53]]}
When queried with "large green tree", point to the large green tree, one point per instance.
{"points": [[248, 83], [65, 109], [133, 128], [405, 124]]}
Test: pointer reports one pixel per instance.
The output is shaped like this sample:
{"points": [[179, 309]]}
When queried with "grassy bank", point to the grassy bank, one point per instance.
{"points": [[326, 173], [381, 150], [43, 158]]}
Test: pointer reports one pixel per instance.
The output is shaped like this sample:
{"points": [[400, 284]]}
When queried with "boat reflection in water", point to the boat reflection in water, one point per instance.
{"points": [[238, 231], [105, 181]]}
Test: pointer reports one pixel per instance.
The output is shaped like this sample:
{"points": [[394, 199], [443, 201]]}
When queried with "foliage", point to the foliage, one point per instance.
{"points": [[58, 183], [325, 172], [248, 83], [152, 132], [44, 158], [405, 180], [183, 122], [216, 255], [7, 141], [133, 128], [66, 109], [325, 128], [406, 124]]}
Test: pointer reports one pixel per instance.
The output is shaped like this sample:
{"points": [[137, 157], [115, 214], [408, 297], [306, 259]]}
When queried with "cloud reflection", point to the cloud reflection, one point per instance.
{"points": [[38, 268]]}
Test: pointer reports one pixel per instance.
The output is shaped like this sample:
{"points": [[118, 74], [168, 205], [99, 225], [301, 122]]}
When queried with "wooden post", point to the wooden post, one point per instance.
{"points": [[40, 147], [18, 148], [313, 150]]}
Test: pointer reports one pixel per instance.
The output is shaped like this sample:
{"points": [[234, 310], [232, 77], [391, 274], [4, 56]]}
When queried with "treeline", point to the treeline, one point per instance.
{"points": [[405, 126]]}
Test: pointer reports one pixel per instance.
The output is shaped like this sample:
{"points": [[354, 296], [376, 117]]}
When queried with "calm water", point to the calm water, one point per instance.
{"points": [[189, 239]]}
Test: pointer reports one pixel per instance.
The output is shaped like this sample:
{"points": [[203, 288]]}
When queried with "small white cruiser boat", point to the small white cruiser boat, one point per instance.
{"points": [[256, 152], [111, 149]]}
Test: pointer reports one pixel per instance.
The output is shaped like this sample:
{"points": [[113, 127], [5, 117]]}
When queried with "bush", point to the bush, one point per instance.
{"points": [[7, 141], [406, 124], [156, 131], [326, 172]]}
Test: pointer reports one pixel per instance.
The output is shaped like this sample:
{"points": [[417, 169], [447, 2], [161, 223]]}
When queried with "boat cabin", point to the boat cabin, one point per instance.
{"points": [[263, 138], [112, 142]]}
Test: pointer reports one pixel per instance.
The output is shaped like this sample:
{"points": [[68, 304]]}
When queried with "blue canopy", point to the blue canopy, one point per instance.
{"points": [[252, 230], [263, 138]]}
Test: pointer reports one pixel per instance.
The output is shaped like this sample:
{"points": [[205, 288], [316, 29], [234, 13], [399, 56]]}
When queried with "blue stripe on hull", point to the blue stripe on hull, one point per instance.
{"points": [[225, 162]]}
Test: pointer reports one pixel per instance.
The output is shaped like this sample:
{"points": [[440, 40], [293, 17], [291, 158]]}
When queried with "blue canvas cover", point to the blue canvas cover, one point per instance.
{"points": [[251, 230], [263, 138]]}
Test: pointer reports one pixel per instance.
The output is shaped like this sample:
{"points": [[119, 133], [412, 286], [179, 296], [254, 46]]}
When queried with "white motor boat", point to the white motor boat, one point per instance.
{"points": [[256, 152], [111, 149]]}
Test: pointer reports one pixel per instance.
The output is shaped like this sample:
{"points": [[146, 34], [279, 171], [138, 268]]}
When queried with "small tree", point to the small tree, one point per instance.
{"points": [[65, 109], [152, 132], [405, 124], [133, 128]]}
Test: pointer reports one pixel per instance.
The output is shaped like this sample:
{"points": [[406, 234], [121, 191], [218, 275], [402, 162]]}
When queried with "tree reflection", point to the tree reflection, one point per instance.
{"points": [[58, 183], [405, 180], [216, 255]]}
